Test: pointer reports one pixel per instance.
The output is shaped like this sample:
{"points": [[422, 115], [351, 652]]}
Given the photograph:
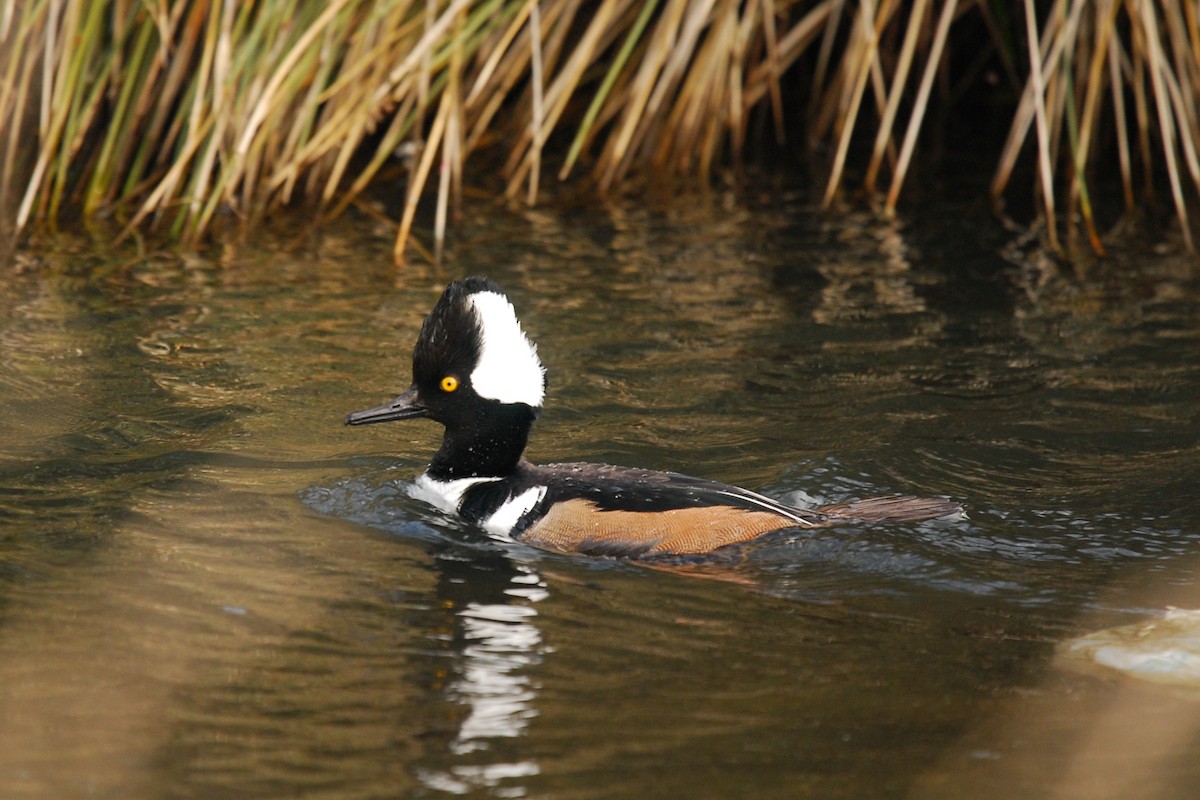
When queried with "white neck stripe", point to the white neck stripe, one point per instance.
{"points": [[505, 518]]}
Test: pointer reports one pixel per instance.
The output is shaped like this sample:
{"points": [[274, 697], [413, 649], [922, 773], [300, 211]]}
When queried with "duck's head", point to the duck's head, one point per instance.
{"points": [[476, 372]]}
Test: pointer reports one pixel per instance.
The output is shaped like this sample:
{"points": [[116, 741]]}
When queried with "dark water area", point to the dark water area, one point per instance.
{"points": [[209, 587]]}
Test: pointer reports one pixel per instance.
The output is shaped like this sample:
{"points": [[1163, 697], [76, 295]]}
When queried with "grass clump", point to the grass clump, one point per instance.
{"points": [[165, 111]]}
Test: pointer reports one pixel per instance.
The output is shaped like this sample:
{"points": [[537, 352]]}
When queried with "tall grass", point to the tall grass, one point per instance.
{"points": [[166, 112]]}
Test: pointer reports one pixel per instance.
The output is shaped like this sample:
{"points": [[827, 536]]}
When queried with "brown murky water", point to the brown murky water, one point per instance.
{"points": [[210, 588]]}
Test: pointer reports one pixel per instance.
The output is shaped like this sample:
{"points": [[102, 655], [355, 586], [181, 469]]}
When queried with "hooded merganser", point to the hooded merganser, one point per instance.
{"points": [[476, 373]]}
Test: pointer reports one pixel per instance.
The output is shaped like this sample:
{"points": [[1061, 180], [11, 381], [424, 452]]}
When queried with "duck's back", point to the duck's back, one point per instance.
{"points": [[598, 509]]}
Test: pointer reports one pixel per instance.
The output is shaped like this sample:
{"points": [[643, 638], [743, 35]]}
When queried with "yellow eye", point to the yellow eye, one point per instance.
{"points": [[449, 383]]}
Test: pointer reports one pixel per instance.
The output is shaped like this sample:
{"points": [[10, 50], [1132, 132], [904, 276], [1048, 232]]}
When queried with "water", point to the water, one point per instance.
{"points": [[211, 588]]}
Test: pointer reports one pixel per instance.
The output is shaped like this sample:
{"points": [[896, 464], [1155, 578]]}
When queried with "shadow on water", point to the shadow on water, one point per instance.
{"points": [[210, 587]]}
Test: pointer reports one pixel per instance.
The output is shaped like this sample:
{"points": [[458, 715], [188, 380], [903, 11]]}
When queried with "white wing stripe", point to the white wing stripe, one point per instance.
{"points": [[769, 505]]}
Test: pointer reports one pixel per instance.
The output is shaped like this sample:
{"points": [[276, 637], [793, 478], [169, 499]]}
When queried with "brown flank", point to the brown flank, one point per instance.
{"points": [[579, 526]]}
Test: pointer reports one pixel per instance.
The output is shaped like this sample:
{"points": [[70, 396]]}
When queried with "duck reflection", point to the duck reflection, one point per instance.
{"points": [[495, 643], [501, 642]]}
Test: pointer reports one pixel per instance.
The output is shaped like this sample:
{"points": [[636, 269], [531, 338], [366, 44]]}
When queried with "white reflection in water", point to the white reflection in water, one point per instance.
{"points": [[461, 780], [501, 642]]}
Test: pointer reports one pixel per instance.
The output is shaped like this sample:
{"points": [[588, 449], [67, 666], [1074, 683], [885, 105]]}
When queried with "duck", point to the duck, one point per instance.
{"points": [[476, 372]]}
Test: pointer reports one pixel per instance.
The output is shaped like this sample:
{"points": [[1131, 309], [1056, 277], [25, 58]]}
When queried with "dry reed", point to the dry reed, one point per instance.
{"points": [[164, 112]]}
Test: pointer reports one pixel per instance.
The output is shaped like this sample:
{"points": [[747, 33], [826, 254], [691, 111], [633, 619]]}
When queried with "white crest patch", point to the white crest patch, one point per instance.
{"points": [[509, 369]]}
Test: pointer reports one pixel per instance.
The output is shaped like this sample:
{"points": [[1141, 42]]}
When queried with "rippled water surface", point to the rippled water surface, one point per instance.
{"points": [[211, 588]]}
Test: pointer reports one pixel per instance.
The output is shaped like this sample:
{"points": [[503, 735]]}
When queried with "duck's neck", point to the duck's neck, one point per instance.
{"points": [[489, 448]]}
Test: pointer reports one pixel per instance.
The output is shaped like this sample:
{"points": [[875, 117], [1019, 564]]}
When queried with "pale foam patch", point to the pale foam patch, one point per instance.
{"points": [[508, 369], [1163, 650]]}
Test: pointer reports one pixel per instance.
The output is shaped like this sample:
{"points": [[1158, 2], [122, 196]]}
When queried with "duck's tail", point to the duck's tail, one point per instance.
{"points": [[896, 508]]}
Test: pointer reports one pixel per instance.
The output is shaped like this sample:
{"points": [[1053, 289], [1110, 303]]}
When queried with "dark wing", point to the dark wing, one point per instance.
{"points": [[605, 510], [614, 488]]}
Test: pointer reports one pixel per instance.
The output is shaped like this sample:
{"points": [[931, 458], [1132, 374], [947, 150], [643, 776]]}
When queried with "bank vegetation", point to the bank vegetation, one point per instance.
{"points": [[165, 114]]}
